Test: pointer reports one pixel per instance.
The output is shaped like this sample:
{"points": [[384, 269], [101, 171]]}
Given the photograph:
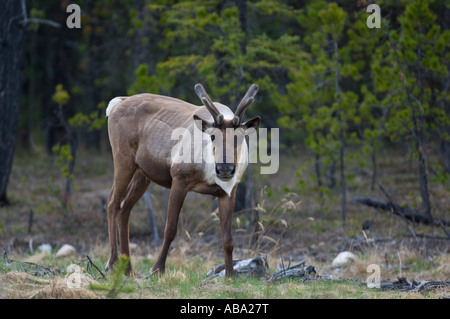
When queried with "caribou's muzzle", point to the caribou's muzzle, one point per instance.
{"points": [[225, 171]]}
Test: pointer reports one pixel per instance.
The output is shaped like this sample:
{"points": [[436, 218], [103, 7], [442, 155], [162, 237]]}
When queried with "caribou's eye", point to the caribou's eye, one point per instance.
{"points": [[213, 137]]}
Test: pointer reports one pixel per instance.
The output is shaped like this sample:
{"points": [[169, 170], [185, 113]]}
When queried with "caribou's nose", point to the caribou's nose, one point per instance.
{"points": [[225, 170]]}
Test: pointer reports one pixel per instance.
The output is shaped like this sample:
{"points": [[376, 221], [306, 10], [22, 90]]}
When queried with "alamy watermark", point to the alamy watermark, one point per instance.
{"points": [[74, 19], [374, 20], [73, 277], [374, 279], [198, 147]]}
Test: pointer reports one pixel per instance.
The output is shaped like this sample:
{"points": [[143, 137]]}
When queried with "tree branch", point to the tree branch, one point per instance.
{"points": [[27, 20], [402, 211]]}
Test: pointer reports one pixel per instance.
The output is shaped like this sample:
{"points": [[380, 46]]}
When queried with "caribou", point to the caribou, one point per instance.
{"points": [[140, 129]]}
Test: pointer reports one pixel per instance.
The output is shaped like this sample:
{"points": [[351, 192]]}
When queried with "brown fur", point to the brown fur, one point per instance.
{"points": [[140, 130]]}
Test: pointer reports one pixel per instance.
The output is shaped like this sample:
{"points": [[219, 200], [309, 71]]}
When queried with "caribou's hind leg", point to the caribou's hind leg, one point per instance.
{"points": [[137, 187], [121, 180], [129, 185]]}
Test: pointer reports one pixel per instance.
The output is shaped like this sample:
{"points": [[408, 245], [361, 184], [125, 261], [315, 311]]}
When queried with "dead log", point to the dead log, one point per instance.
{"points": [[403, 284], [297, 270], [402, 211], [251, 267]]}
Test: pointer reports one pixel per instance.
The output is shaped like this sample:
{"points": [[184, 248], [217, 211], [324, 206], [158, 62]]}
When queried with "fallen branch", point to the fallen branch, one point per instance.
{"points": [[443, 228], [297, 270], [403, 284], [252, 267], [402, 211], [91, 263], [38, 270]]}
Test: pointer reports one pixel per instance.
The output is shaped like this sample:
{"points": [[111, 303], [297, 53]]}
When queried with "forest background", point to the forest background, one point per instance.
{"points": [[362, 110]]}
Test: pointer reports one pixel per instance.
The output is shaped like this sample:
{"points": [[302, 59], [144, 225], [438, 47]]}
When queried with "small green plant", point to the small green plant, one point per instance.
{"points": [[64, 157], [67, 153], [117, 281]]}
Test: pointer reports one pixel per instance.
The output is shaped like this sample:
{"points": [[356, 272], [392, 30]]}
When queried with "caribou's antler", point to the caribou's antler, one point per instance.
{"points": [[201, 92], [248, 99]]}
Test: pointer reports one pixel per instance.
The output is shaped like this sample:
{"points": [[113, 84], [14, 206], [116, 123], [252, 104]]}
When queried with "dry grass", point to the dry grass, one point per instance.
{"points": [[23, 285]]}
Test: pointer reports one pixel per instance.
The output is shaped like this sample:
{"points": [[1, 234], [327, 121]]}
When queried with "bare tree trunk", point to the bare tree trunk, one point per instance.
{"points": [[419, 145], [71, 137], [245, 201], [445, 142], [341, 135], [374, 165], [317, 169], [422, 171], [12, 49], [242, 7], [332, 174], [151, 216], [446, 150]]}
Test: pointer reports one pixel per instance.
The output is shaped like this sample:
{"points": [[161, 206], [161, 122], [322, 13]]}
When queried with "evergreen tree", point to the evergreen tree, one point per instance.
{"points": [[405, 68]]}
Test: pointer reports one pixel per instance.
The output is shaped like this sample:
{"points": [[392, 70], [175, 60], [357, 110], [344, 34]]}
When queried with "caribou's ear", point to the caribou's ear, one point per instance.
{"points": [[202, 124], [251, 125]]}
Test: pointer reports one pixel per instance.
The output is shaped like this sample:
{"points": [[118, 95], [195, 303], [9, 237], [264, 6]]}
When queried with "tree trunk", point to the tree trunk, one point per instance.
{"points": [[445, 142], [332, 173], [374, 165], [72, 140], [242, 7], [446, 147], [419, 145], [12, 49], [341, 135], [317, 168], [151, 217]]}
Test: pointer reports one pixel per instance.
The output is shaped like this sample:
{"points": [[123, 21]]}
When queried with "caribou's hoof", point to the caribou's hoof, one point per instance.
{"points": [[110, 265], [230, 273], [155, 271]]}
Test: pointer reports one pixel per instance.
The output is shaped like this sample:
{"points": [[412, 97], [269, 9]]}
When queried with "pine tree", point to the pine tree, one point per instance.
{"points": [[315, 99], [407, 65]]}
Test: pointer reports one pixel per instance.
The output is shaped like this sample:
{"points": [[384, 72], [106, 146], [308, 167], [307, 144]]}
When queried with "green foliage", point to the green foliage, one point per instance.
{"points": [[60, 96], [117, 281], [333, 19], [64, 157], [144, 82], [420, 51], [372, 107], [92, 120]]}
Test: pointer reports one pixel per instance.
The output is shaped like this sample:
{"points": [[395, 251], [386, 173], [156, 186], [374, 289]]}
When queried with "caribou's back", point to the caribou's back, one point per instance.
{"points": [[154, 117]]}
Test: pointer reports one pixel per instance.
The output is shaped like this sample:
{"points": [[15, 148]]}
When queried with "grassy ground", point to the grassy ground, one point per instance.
{"points": [[295, 224], [182, 281]]}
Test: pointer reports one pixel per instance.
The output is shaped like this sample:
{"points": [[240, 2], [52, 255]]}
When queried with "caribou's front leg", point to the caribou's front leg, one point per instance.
{"points": [[177, 194], [226, 209]]}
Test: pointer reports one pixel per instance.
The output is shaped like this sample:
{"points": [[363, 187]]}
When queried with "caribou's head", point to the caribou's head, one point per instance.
{"points": [[227, 132]]}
